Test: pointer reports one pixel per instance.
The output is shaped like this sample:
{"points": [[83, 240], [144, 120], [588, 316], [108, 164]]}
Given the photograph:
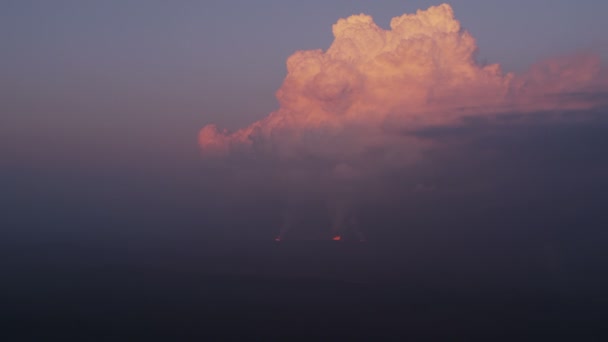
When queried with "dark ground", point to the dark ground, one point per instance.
{"points": [[312, 290]]}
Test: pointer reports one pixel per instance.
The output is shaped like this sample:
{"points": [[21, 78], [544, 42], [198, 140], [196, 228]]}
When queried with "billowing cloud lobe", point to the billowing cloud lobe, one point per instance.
{"points": [[352, 112]]}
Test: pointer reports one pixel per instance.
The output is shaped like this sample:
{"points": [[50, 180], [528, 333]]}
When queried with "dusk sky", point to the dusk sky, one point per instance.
{"points": [[470, 137], [162, 69], [103, 102]]}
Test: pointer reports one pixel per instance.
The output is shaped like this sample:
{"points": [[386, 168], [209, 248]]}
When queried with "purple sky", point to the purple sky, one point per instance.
{"points": [[77, 72], [108, 93]]}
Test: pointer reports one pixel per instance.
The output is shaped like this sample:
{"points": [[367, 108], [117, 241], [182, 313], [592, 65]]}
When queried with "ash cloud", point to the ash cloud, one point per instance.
{"points": [[377, 108]]}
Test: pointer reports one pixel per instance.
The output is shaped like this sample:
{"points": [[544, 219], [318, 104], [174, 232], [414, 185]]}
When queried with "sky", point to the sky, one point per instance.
{"points": [[103, 105], [107, 64]]}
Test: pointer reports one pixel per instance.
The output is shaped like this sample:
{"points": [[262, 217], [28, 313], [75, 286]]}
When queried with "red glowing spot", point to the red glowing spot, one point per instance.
{"points": [[277, 239], [337, 238]]}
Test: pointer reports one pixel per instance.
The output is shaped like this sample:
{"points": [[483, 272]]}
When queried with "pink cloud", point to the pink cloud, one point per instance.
{"points": [[421, 72], [349, 105]]}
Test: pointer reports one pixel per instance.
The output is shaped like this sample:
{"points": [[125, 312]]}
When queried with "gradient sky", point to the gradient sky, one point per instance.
{"points": [[92, 89], [146, 71]]}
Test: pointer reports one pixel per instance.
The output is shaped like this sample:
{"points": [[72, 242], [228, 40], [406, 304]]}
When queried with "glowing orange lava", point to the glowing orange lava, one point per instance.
{"points": [[337, 238]]}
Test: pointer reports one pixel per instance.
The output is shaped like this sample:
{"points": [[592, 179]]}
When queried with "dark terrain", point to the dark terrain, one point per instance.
{"points": [[294, 290]]}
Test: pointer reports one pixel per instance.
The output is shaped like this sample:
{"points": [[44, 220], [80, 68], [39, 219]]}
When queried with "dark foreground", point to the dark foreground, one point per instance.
{"points": [[294, 291]]}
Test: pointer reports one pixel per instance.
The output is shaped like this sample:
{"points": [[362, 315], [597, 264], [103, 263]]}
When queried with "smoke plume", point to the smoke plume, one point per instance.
{"points": [[354, 113]]}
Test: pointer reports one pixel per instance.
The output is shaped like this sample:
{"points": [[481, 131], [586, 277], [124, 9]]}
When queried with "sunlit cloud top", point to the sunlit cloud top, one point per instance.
{"points": [[421, 72]]}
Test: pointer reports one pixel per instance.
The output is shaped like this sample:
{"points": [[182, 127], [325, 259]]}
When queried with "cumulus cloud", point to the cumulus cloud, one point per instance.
{"points": [[351, 112]]}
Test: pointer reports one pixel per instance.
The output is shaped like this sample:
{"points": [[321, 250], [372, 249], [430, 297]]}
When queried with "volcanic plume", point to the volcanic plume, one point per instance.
{"points": [[351, 112]]}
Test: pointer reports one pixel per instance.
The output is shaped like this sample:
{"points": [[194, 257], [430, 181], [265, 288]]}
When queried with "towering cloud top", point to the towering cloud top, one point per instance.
{"points": [[355, 115], [421, 72]]}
